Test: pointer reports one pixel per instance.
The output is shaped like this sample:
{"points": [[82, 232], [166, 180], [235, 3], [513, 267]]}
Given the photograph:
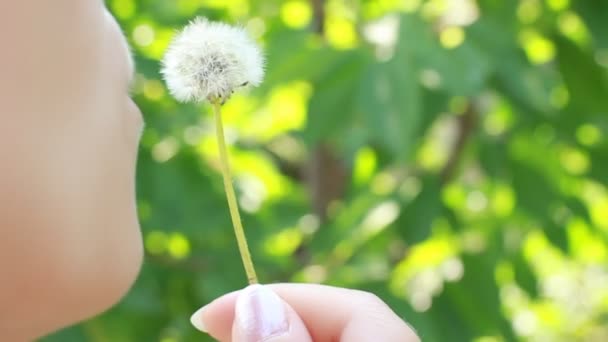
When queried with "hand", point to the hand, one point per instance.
{"points": [[301, 313]]}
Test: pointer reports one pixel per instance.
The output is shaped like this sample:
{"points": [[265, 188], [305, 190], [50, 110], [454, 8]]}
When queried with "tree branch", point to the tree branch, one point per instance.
{"points": [[318, 10], [466, 126], [326, 173]]}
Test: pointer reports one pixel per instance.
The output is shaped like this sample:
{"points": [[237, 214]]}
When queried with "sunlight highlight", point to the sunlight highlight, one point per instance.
{"points": [[143, 35], [178, 246], [452, 37], [539, 49], [296, 13]]}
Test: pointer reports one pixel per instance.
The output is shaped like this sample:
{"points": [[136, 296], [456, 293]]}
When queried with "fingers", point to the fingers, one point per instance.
{"points": [[254, 314], [261, 315], [328, 313]]}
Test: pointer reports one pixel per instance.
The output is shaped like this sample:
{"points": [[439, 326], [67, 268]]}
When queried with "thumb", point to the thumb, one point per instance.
{"points": [[261, 315]]}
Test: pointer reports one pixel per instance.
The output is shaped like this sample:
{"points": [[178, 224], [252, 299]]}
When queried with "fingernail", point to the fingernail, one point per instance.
{"points": [[260, 314], [197, 320]]}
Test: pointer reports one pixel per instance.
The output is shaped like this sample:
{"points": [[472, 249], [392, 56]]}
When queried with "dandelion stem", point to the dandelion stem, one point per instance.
{"points": [[232, 204]]}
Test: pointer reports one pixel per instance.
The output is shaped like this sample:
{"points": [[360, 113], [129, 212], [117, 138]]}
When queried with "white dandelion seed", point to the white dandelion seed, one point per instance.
{"points": [[209, 60]]}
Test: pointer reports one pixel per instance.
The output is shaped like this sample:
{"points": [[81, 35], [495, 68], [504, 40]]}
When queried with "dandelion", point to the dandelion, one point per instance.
{"points": [[209, 61]]}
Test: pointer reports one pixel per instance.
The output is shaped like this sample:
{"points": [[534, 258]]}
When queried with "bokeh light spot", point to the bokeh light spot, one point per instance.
{"points": [[454, 196], [559, 97], [283, 243], [588, 135], [383, 183], [525, 323], [165, 149], [153, 90], [123, 9], [476, 201], [410, 6], [573, 27], [296, 13], [499, 120], [574, 161], [528, 11], [315, 274], [452, 37], [430, 78], [539, 49], [452, 269], [421, 301], [143, 35], [156, 242], [178, 246], [341, 33], [365, 165], [558, 5], [432, 9], [585, 245], [599, 212], [257, 27], [504, 273], [503, 200]]}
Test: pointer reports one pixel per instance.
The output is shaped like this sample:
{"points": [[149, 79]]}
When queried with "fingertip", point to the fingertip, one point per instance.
{"points": [[198, 320], [216, 317], [262, 315]]}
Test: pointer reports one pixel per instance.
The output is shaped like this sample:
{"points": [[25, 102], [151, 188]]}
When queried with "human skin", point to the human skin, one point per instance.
{"points": [[301, 313], [70, 245]]}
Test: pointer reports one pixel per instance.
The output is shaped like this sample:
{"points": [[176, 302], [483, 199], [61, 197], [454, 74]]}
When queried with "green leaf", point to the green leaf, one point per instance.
{"points": [[417, 217], [524, 276], [470, 307], [534, 194], [595, 12], [314, 61], [556, 233], [390, 97], [463, 71], [493, 157], [585, 79], [537, 197], [331, 108]]}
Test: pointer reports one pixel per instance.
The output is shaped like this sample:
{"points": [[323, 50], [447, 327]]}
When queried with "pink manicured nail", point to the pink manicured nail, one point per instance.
{"points": [[260, 314]]}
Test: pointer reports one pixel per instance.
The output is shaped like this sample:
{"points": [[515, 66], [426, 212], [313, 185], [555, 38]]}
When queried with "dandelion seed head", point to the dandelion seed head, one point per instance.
{"points": [[209, 60]]}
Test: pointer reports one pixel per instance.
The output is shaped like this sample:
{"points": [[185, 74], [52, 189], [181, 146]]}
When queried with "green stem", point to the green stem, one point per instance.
{"points": [[232, 204]]}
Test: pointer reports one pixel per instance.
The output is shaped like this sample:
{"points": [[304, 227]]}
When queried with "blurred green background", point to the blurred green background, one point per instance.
{"points": [[448, 155]]}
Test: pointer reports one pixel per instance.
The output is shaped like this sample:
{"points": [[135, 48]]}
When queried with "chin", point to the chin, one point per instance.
{"points": [[92, 279], [105, 277], [87, 276], [110, 276]]}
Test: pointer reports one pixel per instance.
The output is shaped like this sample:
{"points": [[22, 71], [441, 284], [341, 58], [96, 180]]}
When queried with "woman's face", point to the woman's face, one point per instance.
{"points": [[71, 245]]}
